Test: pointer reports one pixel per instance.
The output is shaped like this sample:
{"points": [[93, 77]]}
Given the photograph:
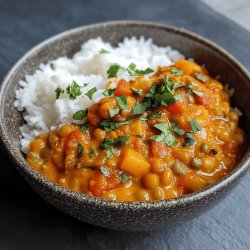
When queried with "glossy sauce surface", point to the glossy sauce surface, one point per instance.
{"points": [[181, 138]]}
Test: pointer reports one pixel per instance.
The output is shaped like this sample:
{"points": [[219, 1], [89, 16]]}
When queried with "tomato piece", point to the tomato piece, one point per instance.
{"points": [[158, 149], [100, 184], [179, 106], [203, 100], [75, 135], [92, 115], [123, 88]]}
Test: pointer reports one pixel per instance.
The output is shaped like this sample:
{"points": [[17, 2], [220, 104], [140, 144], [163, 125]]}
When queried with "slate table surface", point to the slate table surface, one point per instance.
{"points": [[26, 220]]}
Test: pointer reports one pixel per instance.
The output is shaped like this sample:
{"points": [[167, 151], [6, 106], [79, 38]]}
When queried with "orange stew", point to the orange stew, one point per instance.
{"points": [[153, 138]]}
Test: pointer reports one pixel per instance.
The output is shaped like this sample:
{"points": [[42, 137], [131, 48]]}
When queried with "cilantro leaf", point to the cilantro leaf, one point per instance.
{"points": [[124, 177], [73, 90], [110, 126], [104, 171], [37, 159], [104, 51], [189, 140], [139, 108], [177, 72], [165, 136], [110, 152], [201, 77], [80, 150], [122, 100], [152, 91], [198, 93], [80, 114], [109, 92], [143, 119], [133, 71], [113, 70], [137, 92], [155, 115], [84, 127], [58, 91], [91, 92], [177, 129], [113, 112], [195, 126]]}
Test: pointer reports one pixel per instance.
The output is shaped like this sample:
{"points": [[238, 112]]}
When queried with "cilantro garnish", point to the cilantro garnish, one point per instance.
{"points": [[104, 51], [139, 136], [108, 92], [73, 90], [58, 91], [137, 92], [155, 115], [122, 100], [84, 127], [113, 112], [110, 126], [104, 170], [36, 159], [143, 119], [194, 126], [166, 135], [113, 70], [201, 77], [91, 92], [189, 140], [177, 129], [124, 177], [139, 108], [110, 152], [199, 93], [133, 71], [80, 114], [177, 72], [80, 150]]}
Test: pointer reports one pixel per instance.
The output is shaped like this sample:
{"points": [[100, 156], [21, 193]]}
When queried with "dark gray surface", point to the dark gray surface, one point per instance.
{"points": [[26, 221]]}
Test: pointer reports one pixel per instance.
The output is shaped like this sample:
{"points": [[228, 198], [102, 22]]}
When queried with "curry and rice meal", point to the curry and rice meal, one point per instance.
{"points": [[133, 123]]}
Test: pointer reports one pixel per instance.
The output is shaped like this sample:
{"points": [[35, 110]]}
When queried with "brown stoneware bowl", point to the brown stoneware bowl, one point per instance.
{"points": [[132, 216]]}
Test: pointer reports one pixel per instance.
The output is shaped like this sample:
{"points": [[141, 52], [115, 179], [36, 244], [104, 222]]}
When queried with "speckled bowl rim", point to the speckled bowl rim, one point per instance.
{"points": [[17, 157]]}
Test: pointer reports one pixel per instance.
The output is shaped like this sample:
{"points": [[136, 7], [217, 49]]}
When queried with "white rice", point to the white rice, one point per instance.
{"points": [[36, 96]]}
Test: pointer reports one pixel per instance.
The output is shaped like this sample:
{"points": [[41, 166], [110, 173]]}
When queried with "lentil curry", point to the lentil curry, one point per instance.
{"points": [[150, 138]]}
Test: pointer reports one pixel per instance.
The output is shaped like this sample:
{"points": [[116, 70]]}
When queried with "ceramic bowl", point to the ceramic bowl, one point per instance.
{"points": [[132, 216]]}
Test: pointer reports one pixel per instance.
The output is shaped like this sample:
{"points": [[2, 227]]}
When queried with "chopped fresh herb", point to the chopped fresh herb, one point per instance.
{"points": [[104, 51], [189, 140], [124, 177], [139, 136], [166, 99], [194, 126], [109, 143], [85, 85], [104, 171], [152, 91], [80, 150], [121, 140], [110, 152], [139, 108], [73, 90], [122, 100], [84, 127], [177, 129], [165, 136], [113, 112], [137, 92], [133, 71], [155, 115], [37, 159], [201, 77], [91, 92], [177, 72], [110, 126], [108, 92], [80, 114], [58, 91], [113, 70]]}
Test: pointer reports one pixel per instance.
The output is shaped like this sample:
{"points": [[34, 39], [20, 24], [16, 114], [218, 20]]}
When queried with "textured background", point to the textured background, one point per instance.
{"points": [[28, 222]]}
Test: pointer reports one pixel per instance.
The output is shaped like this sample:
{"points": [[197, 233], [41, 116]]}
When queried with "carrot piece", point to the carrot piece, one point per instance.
{"points": [[158, 149], [179, 106], [100, 184], [123, 88]]}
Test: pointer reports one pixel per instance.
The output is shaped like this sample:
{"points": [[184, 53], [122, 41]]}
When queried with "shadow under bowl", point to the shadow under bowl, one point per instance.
{"points": [[132, 216]]}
